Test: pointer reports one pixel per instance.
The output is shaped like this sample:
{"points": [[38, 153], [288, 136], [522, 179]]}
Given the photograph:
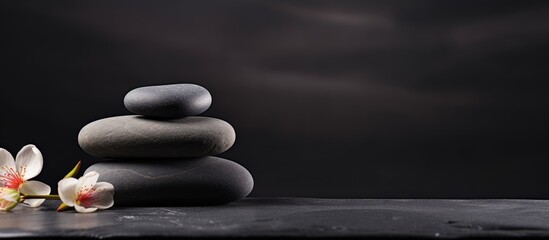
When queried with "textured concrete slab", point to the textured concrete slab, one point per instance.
{"points": [[293, 217]]}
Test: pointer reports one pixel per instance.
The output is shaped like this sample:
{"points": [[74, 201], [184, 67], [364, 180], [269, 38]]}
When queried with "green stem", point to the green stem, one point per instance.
{"points": [[48, 197]]}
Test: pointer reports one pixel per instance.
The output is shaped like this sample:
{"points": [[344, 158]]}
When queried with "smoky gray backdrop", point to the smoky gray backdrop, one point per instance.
{"points": [[368, 99]]}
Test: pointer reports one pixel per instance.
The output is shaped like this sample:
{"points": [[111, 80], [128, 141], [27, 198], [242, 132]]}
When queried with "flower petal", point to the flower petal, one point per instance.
{"points": [[6, 205], [67, 190], [103, 195], [29, 162], [86, 182], [83, 209], [9, 198], [9, 194], [34, 187], [6, 162]]}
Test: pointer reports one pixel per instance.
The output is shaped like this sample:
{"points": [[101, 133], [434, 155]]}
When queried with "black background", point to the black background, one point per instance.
{"points": [[369, 99]]}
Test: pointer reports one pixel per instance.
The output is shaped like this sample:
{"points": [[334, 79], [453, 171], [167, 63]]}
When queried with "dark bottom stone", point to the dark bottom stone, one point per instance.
{"points": [[175, 182]]}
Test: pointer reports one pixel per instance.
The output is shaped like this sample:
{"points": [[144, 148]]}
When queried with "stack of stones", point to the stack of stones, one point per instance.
{"points": [[161, 157]]}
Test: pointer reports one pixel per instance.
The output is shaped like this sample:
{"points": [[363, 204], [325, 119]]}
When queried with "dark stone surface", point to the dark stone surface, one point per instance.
{"points": [[134, 136], [290, 217], [168, 101], [202, 181]]}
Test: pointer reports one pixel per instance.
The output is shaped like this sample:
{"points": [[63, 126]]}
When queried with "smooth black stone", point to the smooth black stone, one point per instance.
{"points": [[168, 101], [293, 217], [201, 181], [132, 137]]}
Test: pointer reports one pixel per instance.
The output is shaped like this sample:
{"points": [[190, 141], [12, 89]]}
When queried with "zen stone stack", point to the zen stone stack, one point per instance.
{"points": [[161, 155]]}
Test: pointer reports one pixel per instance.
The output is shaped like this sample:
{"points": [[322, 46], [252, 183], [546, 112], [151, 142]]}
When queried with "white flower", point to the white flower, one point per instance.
{"points": [[86, 194], [9, 198], [15, 174]]}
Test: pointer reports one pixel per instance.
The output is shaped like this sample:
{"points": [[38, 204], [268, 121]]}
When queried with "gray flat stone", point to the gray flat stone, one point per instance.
{"points": [[132, 136], [168, 101], [293, 217], [202, 181]]}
